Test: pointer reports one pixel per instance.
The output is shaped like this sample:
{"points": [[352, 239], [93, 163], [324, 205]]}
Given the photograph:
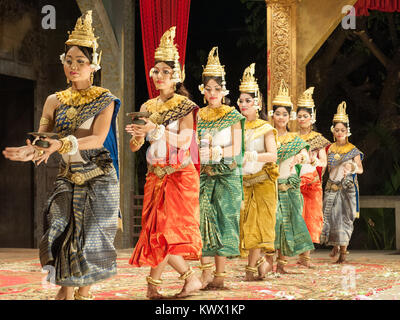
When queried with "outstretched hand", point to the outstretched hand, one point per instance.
{"points": [[23, 153]]}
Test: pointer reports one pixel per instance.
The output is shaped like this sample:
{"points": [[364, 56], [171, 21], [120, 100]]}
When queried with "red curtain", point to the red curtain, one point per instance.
{"points": [[157, 16], [362, 6]]}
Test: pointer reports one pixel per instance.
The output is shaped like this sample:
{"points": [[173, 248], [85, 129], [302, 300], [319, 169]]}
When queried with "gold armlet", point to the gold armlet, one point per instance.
{"points": [[44, 121], [152, 281], [187, 274]]}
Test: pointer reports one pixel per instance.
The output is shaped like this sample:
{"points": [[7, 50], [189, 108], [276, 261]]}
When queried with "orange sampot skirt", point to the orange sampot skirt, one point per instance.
{"points": [[311, 188], [170, 218]]}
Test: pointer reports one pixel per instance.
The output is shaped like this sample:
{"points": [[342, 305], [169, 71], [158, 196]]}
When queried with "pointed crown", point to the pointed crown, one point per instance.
{"points": [[248, 84], [283, 98], [167, 50], [83, 34], [213, 67], [306, 100], [341, 115]]}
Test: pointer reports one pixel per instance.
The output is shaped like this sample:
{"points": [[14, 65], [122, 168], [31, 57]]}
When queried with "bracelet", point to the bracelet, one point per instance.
{"points": [[137, 143], [216, 153], [251, 156], [69, 145], [157, 133]]}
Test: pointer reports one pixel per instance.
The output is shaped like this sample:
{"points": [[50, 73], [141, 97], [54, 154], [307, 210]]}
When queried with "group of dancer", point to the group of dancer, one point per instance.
{"points": [[220, 183]]}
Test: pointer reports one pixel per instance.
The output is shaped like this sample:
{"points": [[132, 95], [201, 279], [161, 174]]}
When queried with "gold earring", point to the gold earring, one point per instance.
{"points": [[91, 78], [204, 100], [223, 99], [68, 82]]}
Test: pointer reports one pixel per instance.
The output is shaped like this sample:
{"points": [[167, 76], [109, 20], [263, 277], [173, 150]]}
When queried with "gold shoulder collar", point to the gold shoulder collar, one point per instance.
{"points": [[254, 124], [213, 114], [71, 97], [309, 136], [288, 137], [156, 106], [334, 148]]}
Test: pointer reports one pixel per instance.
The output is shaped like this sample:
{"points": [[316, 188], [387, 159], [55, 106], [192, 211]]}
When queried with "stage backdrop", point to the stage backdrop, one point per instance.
{"points": [[157, 16]]}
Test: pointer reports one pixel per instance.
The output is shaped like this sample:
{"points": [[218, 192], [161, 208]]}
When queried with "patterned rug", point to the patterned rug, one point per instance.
{"points": [[360, 279]]}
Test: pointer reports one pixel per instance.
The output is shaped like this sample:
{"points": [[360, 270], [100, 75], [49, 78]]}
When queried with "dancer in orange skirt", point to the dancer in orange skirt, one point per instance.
{"points": [[171, 215], [312, 171]]}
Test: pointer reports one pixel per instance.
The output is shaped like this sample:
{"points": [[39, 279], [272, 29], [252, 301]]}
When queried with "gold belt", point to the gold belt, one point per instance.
{"points": [[80, 178], [160, 172], [258, 179], [330, 186], [209, 170]]}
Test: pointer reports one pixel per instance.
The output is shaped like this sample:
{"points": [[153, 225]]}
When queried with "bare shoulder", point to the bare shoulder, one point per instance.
{"points": [[52, 102], [143, 108]]}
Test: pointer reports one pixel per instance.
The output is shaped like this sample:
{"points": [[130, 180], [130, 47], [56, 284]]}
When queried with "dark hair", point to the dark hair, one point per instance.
{"points": [[180, 88], [288, 109], [343, 123], [262, 113], [206, 79], [88, 52]]}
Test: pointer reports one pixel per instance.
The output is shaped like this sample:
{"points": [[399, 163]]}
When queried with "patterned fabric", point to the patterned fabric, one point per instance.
{"points": [[221, 194], [332, 162], [341, 204], [227, 121], [316, 140], [292, 236], [81, 224], [258, 212], [287, 150], [220, 202], [170, 216], [65, 126], [177, 111]]}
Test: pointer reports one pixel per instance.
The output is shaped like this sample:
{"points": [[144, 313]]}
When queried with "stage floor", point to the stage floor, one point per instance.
{"points": [[368, 275]]}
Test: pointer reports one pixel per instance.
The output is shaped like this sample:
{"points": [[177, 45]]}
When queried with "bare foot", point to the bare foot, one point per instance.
{"points": [[152, 292], [305, 262], [334, 252], [342, 258], [216, 284], [63, 294], [250, 276], [266, 267], [206, 278], [192, 284], [281, 269]]}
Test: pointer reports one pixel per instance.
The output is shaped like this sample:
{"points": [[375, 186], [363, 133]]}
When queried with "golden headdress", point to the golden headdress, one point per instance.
{"points": [[248, 84], [214, 69], [283, 97], [83, 35], [341, 115], [306, 101], [167, 51]]}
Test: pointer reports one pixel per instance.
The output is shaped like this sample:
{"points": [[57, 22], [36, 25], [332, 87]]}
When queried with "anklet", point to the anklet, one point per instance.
{"points": [[206, 266], [220, 274], [187, 274], [152, 281], [78, 296], [282, 262], [251, 269], [260, 261]]}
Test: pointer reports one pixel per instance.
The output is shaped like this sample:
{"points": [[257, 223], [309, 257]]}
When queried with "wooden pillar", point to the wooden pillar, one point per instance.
{"points": [[282, 50]]}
